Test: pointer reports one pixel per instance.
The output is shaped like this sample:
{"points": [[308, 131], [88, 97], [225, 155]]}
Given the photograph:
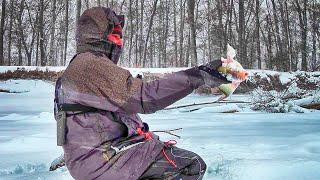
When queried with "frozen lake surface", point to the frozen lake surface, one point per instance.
{"points": [[245, 145]]}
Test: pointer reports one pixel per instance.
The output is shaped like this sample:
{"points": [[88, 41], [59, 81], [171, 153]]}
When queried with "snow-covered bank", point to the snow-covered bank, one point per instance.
{"points": [[134, 71], [265, 79], [284, 77], [245, 145]]}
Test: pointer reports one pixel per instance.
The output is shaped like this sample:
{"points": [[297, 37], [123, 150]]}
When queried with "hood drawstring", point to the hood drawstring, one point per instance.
{"points": [[147, 135]]}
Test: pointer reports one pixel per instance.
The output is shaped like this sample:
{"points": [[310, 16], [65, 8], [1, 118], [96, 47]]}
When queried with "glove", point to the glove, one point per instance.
{"points": [[206, 74], [210, 74], [226, 74]]}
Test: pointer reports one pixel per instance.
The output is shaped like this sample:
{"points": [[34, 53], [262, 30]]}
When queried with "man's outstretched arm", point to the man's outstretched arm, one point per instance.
{"points": [[97, 82]]}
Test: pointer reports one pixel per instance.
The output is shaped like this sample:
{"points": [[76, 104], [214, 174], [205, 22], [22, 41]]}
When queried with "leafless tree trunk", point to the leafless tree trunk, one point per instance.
{"points": [[315, 28], [193, 45], [166, 30], [258, 33], [78, 10], [269, 43], [66, 31], [280, 54], [19, 32], [136, 34], [141, 30], [52, 33], [230, 36], [131, 29], [37, 49], [287, 36], [209, 52], [241, 34], [220, 27], [175, 43], [188, 49], [303, 29], [154, 8], [10, 32], [181, 31], [41, 33], [304, 63], [3, 16], [29, 47]]}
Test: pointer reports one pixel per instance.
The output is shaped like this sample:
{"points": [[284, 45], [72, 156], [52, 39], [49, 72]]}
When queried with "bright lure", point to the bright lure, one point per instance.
{"points": [[234, 72]]}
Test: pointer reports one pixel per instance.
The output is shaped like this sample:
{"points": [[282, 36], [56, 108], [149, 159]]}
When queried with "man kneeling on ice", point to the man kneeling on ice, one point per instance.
{"points": [[96, 106]]}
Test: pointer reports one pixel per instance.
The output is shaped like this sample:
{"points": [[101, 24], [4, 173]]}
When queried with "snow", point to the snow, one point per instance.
{"points": [[315, 99], [244, 145], [134, 71], [38, 97], [286, 77], [32, 68]]}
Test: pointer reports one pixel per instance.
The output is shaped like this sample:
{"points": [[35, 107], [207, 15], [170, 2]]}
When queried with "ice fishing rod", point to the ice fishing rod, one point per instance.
{"points": [[205, 103], [170, 132]]}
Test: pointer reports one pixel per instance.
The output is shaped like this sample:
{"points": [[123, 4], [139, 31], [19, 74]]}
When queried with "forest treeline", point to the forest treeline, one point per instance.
{"points": [[268, 34]]}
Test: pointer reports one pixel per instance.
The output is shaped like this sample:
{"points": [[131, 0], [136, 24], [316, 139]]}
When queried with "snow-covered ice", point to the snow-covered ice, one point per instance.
{"points": [[245, 145]]}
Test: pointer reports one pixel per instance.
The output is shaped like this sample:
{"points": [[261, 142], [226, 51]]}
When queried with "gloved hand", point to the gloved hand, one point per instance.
{"points": [[207, 74], [210, 74], [226, 74]]}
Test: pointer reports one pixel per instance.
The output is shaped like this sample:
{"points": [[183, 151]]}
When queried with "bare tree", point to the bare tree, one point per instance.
{"points": [[41, 33], [304, 63], [66, 19], [193, 45], [131, 29], [3, 16], [220, 27], [78, 10], [28, 47], [19, 31], [241, 34], [181, 31], [52, 33], [315, 29], [10, 31], [175, 33], [258, 33], [154, 8]]}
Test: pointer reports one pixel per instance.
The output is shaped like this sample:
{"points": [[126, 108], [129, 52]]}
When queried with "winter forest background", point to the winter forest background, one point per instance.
{"points": [[279, 35]]}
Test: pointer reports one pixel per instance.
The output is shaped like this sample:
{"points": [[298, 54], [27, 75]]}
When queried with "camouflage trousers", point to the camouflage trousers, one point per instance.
{"points": [[189, 166]]}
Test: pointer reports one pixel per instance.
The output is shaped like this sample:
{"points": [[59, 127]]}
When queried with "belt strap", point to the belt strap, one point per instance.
{"points": [[75, 107]]}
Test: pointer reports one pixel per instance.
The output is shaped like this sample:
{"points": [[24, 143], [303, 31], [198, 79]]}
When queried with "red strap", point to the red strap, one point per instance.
{"points": [[168, 144], [147, 135], [168, 159]]}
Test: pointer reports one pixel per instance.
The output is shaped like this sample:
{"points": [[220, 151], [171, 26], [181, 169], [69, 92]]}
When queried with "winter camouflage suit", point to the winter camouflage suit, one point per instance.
{"points": [[93, 79]]}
